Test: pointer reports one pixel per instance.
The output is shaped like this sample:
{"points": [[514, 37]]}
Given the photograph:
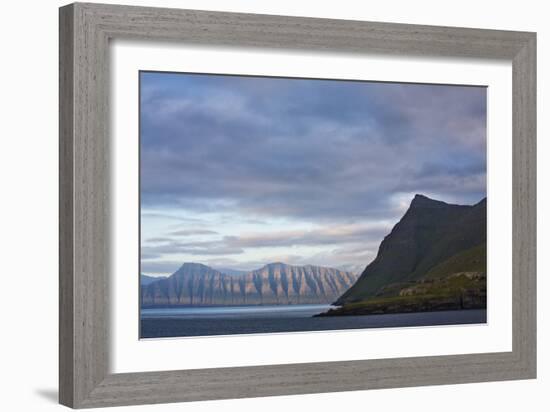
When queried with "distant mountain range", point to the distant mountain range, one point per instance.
{"points": [[273, 284], [232, 272], [433, 259], [144, 280]]}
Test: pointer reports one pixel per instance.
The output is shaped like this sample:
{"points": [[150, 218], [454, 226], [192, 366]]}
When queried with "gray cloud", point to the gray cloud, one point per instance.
{"points": [[159, 267], [325, 236], [159, 239], [193, 232], [351, 235], [191, 248], [331, 153], [170, 217], [317, 149]]}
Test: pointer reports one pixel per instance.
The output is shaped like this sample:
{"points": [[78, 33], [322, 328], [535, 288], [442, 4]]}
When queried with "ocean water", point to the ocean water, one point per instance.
{"points": [[231, 320]]}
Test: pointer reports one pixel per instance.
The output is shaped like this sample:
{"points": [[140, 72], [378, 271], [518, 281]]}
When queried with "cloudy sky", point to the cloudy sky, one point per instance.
{"points": [[237, 172]]}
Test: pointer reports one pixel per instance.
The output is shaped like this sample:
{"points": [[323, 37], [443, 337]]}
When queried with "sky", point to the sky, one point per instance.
{"points": [[237, 172]]}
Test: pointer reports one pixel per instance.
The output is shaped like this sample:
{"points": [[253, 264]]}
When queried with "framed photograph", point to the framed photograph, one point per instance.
{"points": [[257, 205]]}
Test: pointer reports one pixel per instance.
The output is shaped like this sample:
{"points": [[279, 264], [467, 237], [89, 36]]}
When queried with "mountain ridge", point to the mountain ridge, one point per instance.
{"points": [[429, 232], [146, 279], [274, 283]]}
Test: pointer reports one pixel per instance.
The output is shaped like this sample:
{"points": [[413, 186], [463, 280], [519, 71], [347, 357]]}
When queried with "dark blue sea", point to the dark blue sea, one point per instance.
{"points": [[231, 320]]}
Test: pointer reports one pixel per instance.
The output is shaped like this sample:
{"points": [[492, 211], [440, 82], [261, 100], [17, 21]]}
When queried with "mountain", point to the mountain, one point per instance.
{"points": [[273, 284], [470, 260], [232, 272], [145, 280], [428, 243]]}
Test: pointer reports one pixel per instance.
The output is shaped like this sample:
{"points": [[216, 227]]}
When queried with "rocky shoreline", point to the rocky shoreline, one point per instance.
{"points": [[394, 306]]}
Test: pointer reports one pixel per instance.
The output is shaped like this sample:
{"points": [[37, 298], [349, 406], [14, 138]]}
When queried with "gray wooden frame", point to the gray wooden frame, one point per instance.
{"points": [[85, 31]]}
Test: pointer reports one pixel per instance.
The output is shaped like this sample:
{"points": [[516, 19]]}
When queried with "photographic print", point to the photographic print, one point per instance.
{"points": [[272, 204]]}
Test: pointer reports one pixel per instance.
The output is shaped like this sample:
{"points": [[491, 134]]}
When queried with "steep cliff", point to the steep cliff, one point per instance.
{"points": [[275, 283], [427, 235]]}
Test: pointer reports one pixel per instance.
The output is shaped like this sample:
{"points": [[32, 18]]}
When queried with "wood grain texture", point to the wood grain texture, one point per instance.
{"points": [[84, 253], [524, 223], [66, 228], [85, 31]]}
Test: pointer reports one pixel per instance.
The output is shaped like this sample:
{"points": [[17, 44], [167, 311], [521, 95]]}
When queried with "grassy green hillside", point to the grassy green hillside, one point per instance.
{"points": [[470, 260], [459, 282], [463, 291]]}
